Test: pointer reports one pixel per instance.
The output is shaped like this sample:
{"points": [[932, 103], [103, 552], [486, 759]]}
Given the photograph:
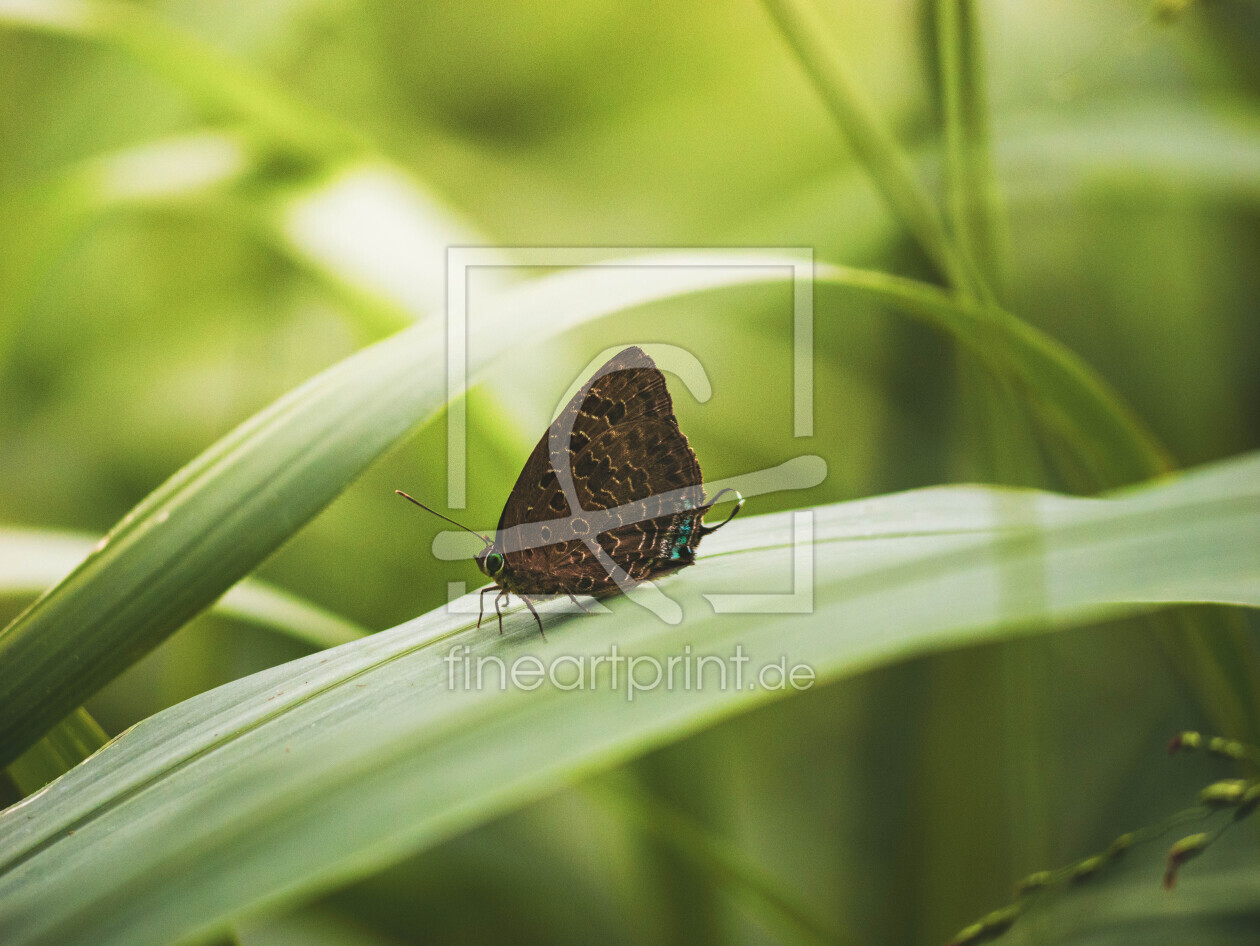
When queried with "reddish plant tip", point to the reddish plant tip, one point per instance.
{"points": [[1182, 851], [1186, 739]]}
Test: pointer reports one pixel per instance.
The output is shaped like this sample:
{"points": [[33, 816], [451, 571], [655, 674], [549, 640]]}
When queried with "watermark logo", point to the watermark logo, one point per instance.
{"points": [[665, 273], [633, 674]]}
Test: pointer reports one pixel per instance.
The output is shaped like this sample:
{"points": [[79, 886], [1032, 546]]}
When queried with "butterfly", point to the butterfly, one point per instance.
{"points": [[611, 496]]}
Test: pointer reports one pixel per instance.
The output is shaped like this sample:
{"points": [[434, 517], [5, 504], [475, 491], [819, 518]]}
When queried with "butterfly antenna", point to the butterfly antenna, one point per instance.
{"points": [[483, 538]]}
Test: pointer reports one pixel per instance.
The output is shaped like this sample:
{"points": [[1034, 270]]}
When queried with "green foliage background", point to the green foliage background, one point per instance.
{"points": [[1095, 168]]}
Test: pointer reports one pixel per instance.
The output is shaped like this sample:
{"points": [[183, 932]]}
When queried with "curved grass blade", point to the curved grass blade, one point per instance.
{"points": [[1070, 396], [33, 560], [296, 779], [218, 518]]}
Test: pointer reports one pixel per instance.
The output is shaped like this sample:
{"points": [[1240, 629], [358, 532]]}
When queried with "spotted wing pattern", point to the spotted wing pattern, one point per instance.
{"points": [[636, 481]]}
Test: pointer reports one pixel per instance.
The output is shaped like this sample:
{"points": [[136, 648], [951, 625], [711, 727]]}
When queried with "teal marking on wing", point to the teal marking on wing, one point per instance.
{"points": [[681, 539]]}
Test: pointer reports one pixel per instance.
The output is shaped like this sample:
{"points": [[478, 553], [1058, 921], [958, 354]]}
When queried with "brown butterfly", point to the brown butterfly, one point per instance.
{"points": [[611, 495]]}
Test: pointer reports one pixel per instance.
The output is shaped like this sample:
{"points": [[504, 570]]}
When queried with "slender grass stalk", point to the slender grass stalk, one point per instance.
{"points": [[876, 148], [992, 415], [973, 195]]}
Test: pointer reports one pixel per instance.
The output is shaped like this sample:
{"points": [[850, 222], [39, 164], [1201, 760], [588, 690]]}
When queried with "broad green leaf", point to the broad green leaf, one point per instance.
{"points": [[222, 515], [301, 777]]}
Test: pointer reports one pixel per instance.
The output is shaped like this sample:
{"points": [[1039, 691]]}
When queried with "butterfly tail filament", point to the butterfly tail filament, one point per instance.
{"points": [[739, 504]]}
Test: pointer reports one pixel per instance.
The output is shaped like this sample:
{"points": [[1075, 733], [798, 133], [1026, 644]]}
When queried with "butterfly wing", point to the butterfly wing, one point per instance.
{"points": [[648, 473], [624, 451], [628, 387]]}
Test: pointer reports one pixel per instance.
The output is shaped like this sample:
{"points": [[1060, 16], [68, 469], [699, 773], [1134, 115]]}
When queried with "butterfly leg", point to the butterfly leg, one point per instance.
{"points": [[739, 504], [577, 602], [529, 604], [498, 600], [481, 602]]}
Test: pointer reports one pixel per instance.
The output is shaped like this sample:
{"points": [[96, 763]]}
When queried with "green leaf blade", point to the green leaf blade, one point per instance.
{"points": [[294, 780]]}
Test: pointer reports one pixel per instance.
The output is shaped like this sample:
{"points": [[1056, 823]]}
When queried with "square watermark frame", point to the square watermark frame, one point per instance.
{"points": [[752, 263]]}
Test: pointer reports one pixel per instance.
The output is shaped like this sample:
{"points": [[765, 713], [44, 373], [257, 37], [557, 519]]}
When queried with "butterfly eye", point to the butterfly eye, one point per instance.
{"points": [[494, 563]]}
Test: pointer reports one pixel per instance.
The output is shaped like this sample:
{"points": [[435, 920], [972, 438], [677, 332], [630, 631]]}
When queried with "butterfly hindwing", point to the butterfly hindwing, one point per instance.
{"points": [[649, 477], [624, 449]]}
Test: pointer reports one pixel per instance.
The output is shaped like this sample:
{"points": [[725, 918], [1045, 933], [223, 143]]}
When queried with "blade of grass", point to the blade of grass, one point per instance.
{"points": [[873, 144], [298, 778], [33, 560], [1072, 398], [71, 741], [219, 517], [973, 197], [207, 527], [992, 417], [995, 418]]}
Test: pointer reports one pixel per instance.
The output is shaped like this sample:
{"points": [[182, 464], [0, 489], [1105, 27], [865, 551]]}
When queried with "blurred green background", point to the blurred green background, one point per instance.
{"points": [[189, 234]]}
